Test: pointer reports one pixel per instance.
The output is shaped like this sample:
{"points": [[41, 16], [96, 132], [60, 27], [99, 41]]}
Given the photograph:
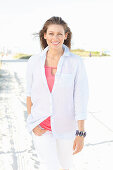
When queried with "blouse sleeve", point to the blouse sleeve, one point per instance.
{"points": [[81, 92], [29, 77]]}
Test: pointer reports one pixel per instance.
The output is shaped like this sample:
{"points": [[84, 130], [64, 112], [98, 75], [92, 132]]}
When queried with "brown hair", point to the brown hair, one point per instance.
{"points": [[58, 21]]}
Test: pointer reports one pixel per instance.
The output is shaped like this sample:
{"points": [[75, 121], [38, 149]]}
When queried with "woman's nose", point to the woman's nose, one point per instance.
{"points": [[55, 36]]}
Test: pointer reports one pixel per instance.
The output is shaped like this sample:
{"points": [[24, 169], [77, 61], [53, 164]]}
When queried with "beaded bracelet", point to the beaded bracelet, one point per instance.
{"points": [[80, 133]]}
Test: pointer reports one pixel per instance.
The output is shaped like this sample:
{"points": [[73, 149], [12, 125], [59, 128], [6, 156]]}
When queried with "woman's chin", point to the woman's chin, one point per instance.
{"points": [[56, 46]]}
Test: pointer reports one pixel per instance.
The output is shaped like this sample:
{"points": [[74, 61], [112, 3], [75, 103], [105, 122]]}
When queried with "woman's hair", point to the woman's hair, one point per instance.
{"points": [[58, 21]]}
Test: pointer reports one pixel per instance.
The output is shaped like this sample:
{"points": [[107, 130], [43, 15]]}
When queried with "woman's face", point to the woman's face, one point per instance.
{"points": [[55, 36]]}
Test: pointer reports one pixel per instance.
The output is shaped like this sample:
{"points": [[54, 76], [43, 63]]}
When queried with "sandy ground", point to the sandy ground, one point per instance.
{"points": [[16, 147]]}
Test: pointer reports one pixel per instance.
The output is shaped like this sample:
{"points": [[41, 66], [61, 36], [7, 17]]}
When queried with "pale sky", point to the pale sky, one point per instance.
{"points": [[89, 20]]}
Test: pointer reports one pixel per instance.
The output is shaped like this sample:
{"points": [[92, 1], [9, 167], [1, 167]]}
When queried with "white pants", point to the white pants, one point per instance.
{"points": [[52, 153]]}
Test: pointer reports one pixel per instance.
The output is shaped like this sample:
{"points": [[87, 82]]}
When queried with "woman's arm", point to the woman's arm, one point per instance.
{"points": [[79, 140], [29, 104], [81, 95], [37, 130], [81, 125]]}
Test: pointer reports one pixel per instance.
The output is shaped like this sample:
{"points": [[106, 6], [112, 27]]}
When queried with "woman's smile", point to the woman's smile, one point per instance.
{"points": [[55, 43]]}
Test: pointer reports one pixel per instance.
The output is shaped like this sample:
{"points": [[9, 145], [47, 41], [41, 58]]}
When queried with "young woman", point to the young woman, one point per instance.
{"points": [[57, 97]]}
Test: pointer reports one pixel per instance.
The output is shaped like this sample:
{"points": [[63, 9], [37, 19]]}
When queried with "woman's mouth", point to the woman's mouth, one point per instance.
{"points": [[55, 43]]}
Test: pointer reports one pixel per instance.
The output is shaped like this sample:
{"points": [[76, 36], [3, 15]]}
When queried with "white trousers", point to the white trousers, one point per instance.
{"points": [[53, 154]]}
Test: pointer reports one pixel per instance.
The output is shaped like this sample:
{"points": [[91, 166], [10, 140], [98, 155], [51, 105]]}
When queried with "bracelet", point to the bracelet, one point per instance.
{"points": [[80, 133]]}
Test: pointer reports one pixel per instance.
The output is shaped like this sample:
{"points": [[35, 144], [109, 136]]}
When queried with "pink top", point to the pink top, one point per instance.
{"points": [[50, 80]]}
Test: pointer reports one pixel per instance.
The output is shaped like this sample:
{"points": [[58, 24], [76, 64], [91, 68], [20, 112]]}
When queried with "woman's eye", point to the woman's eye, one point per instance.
{"points": [[59, 34], [50, 33]]}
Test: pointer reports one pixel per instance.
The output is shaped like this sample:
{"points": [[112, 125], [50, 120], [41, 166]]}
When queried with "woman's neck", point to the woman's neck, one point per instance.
{"points": [[55, 54]]}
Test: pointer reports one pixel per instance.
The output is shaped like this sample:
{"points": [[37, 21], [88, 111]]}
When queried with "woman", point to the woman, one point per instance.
{"points": [[57, 97]]}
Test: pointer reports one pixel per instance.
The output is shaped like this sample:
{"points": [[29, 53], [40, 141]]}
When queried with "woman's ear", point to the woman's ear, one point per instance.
{"points": [[66, 34], [44, 35]]}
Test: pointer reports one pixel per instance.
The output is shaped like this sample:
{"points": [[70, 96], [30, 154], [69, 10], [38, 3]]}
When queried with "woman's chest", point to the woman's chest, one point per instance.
{"points": [[63, 75], [51, 66]]}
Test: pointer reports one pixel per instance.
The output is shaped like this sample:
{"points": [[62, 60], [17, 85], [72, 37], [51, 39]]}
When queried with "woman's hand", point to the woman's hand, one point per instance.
{"points": [[38, 131], [78, 144]]}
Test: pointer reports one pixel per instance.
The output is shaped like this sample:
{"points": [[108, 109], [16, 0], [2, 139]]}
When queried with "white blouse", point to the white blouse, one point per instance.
{"points": [[68, 100]]}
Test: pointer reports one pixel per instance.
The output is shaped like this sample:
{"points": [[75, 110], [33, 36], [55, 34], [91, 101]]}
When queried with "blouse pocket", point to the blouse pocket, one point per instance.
{"points": [[66, 79]]}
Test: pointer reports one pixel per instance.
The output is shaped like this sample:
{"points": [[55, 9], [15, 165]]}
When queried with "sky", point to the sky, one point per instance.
{"points": [[89, 20]]}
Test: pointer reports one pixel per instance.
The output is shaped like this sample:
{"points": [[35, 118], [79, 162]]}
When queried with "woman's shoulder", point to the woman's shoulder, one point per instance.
{"points": [[75, 60], [34, 58], [70, 55], [74, 57]]}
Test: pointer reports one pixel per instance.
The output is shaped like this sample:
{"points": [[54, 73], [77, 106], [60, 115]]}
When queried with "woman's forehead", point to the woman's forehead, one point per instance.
{"points": [[55, 27]]}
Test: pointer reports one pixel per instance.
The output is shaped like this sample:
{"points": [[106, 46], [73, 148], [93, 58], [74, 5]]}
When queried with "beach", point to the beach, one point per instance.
{"points": [[16, 147]]}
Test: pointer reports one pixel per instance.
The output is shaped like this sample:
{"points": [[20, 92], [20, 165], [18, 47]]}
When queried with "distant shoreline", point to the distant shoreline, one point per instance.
{"points": [[84, 53], [79, 52]]}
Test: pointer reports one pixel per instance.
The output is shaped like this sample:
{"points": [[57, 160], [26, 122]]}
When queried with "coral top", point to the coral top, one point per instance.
{"points": [[50, 80]]}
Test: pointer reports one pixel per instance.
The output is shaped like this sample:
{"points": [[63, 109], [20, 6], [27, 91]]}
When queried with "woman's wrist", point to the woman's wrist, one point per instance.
{"points": [[81, 130], [80, 133]]}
